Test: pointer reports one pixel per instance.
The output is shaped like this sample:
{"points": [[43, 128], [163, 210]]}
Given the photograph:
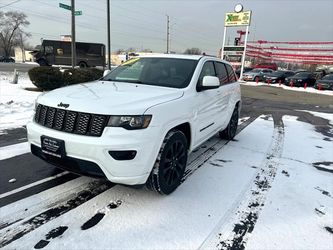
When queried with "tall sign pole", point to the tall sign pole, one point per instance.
{"points": [[109, 38], [223, 44], [233, 19], [168, 34], [73, 34], [243, 57], [73, 14]]}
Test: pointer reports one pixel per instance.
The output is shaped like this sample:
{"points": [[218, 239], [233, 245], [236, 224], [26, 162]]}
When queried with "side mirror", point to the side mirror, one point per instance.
{"points": [[106, 72], [209, 82]]}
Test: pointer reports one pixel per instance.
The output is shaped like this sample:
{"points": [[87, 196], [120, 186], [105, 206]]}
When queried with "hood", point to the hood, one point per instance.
{"points": [[105, 97], [325, 81], [252, 73]]}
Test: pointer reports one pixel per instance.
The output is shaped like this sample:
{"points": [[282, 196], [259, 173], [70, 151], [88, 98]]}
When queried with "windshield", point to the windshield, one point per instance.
{"points": [[328, 77], [256, 70], [303, 74], [164, 72], [277, 73]]}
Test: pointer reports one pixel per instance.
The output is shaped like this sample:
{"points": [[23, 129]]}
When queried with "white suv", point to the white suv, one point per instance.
{"points": [[138, 123]]}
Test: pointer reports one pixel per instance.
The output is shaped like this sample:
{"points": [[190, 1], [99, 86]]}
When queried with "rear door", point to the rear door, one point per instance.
{"points": [[223, 93]]}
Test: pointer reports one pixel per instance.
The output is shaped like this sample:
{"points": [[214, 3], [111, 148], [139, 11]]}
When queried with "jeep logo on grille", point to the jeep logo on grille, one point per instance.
{"points": [[65, 105]]}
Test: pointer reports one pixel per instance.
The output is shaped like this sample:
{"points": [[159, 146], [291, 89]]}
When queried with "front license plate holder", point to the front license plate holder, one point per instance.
{"points": [[53, 146]]}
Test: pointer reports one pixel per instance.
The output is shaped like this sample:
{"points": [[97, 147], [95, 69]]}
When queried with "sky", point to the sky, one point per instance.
{"points": [[141, 24]]}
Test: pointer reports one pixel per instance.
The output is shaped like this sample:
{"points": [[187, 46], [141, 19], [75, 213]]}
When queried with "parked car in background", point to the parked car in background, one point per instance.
{"points": [[271, 66], [136, 124], [325, 83], [6, 59], [277, 76], [246, 69], [256, 74], [300, 79]]}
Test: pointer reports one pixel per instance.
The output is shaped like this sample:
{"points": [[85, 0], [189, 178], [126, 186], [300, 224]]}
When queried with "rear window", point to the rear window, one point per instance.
{"points": [[231, 73]]}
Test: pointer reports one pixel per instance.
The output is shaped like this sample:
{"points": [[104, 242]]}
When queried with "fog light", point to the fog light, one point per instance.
{"points": [[123, 155]]}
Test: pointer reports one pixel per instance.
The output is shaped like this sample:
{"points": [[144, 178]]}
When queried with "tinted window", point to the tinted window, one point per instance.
{"points": [[328, 77], [207, 70], [49, 49], [221, 73], [231, 73], [164, 72], [303, 74]]}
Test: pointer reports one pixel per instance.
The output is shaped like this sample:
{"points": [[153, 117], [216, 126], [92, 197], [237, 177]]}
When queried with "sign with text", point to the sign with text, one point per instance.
{"points": [[65, 6], [234, 48], [238, 19]]}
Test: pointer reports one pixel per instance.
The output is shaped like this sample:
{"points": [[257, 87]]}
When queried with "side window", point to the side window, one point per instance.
{"points": [[207, 70], [48, 49], [231, 73], [221, 72]]}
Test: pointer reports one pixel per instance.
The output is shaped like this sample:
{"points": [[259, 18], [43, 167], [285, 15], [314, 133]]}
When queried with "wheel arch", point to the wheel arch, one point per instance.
{"points": [[186, 129]]}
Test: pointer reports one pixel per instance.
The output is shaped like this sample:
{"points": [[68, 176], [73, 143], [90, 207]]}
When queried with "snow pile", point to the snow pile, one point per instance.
{"points": [[16, 103], [307, 90]]}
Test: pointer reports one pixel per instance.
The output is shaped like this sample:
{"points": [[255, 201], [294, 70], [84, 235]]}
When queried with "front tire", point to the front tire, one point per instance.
{"points": [[230, 131], [170, 164]]}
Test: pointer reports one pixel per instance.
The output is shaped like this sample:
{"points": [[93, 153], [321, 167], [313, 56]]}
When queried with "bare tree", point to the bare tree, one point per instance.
{"points": [[11, 30], [193, 51]]}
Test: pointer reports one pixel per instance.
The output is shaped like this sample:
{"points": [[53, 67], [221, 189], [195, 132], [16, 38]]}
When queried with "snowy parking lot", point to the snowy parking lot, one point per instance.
{"points": [[270, 188]]}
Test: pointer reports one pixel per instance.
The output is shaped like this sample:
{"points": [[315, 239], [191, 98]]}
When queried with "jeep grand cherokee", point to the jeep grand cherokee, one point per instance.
{"points": [[137, 124]]}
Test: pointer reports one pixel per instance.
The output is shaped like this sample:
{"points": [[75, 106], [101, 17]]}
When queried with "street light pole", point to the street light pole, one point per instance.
{"points": [[109, 39], [73, 34], [168, 33]]}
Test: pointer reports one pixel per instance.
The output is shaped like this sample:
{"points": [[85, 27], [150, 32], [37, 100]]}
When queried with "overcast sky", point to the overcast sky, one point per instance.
{"points": [[141, 24]]}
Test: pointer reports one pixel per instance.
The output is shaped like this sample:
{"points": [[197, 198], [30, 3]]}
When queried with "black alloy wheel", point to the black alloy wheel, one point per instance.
{"points": [[230, 131], [170, 164]]}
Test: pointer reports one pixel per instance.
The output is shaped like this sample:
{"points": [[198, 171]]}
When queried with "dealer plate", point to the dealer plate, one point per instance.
{"points": [[52, 146]]}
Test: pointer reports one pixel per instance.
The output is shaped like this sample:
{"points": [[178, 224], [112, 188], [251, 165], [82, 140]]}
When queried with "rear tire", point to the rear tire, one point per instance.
{"points": [[170, 164], [42, 62], [83, 65], [230, 131]]}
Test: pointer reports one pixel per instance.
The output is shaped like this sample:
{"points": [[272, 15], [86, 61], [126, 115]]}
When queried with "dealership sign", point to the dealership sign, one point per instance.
{"points": [[237, 19]]}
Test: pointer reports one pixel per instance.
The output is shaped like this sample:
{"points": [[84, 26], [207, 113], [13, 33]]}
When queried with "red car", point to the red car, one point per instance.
{"points": [[272, 66]]}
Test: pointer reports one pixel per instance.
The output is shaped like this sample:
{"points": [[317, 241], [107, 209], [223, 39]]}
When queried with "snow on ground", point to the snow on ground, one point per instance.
{"points": [[299, 209], [276, 85], [296, 211], [16, 103]]}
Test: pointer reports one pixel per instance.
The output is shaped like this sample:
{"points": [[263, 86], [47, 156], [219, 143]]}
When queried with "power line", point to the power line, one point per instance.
{"points": [[9, 4]]}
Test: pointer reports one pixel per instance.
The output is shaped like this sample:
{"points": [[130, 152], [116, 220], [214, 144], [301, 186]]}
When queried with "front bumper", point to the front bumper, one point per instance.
{"points": [[95, 152]]}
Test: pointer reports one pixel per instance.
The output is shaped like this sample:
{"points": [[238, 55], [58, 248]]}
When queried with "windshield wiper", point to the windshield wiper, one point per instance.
{"points": [[130, 81]]}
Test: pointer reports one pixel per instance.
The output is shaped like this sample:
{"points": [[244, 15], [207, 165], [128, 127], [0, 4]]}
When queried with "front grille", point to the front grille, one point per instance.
{"points": [[70, 121]]}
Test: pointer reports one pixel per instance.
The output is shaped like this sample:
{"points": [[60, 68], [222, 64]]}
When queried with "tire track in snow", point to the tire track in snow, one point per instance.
{"points": [[200, 156], [17, 231], [248, 211]]}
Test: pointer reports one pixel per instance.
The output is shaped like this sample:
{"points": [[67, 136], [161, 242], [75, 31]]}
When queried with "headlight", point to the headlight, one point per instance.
{"points": [[130, 122], [300, 80]]}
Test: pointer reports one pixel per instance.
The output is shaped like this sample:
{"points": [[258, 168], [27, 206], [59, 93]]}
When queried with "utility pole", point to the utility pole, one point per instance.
{"points": [[109, 38], [168, 33], [73, 34]]}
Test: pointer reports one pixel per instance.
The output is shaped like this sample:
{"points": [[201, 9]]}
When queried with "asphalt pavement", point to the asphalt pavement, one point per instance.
{"points": [[20, 67]]}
